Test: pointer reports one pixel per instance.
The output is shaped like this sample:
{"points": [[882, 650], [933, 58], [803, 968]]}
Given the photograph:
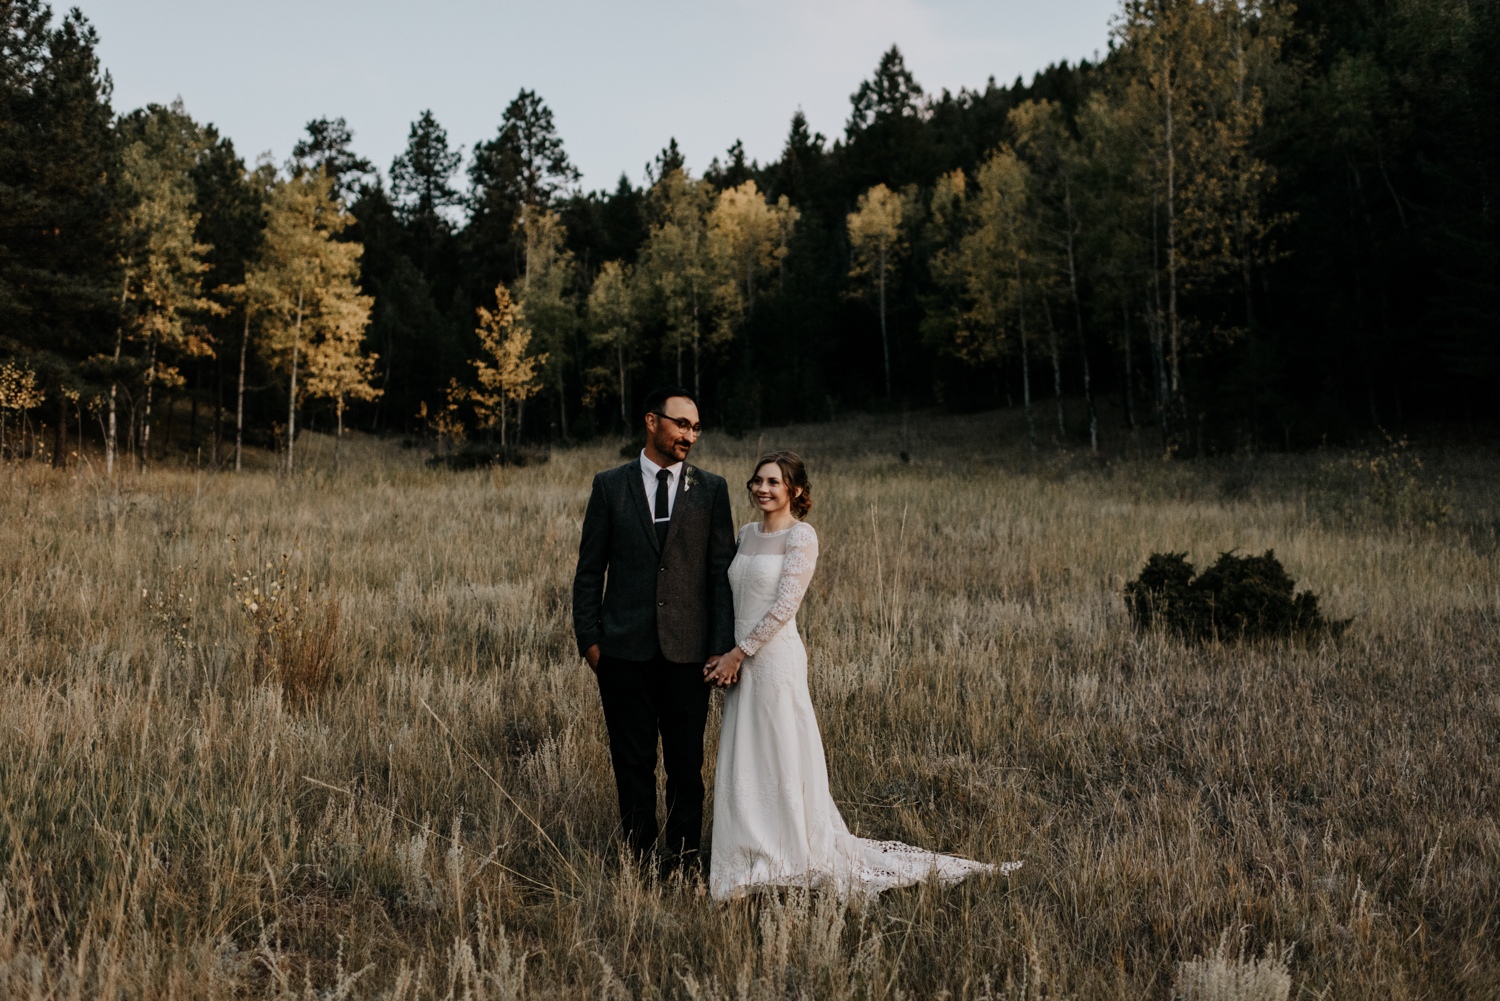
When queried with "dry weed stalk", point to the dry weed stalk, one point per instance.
{"points": [[1226, 975], [294, 634]]}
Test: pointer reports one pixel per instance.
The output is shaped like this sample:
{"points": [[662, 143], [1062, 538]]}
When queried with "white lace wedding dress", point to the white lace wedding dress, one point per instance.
{"points": [[775, 821]]}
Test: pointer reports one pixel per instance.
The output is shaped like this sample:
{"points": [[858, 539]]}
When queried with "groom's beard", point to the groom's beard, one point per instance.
{"points": [[677, 449]]}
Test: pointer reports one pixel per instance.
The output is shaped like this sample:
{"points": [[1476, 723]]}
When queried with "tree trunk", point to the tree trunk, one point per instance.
{"points": [[1163, 393], [1062, 422], [1025, 361], [562, 402], [110, 438], [239, 402], [60, 434], [218, 409], [697, 389], [385, 385], [146, 417], [338, 438], [1163, 397], [1172, 324], [620, 358], [291, 404], [1129, 371], [1083, 348], [885, 344]]}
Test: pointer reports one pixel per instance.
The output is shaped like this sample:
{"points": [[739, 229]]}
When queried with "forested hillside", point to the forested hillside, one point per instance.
{"points": [[1251, 225]]}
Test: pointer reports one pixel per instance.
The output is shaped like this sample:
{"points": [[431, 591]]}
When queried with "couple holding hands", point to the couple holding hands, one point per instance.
{"points": [[668, 603]]}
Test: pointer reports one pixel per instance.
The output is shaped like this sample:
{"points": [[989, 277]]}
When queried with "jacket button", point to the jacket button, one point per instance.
{"points": [[663, 569], [661, 603]]}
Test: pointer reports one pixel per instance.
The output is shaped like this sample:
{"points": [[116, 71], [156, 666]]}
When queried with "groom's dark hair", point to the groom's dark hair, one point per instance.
{"points": [[658, 398]]}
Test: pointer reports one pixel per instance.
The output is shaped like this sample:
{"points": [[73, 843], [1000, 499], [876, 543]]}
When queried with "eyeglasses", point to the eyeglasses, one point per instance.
{"points": [[682, 423]]}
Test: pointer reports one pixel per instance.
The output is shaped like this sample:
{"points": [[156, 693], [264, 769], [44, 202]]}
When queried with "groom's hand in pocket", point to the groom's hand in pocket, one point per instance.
{"points": [[592, 656]]}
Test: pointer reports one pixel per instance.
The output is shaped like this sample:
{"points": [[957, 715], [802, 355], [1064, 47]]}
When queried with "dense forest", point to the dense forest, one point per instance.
{"points": [[1251, 225]]}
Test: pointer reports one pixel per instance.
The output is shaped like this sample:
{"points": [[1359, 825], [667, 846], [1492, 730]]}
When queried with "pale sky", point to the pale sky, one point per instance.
{"points": [[621, 77]]}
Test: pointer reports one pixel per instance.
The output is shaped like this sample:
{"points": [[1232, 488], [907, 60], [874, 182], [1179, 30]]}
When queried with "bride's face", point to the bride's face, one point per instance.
{"points": [[768, 490]]}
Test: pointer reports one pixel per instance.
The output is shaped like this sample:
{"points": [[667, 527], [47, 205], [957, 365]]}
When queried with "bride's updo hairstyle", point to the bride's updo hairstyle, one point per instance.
{"points": [[794, 475]]}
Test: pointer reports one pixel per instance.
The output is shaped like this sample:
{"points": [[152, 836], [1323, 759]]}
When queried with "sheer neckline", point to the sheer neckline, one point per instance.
{"points": [[755, 526]]}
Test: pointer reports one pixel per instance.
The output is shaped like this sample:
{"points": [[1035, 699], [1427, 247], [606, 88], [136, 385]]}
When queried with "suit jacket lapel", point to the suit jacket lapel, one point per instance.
{"points": [[678, 501], [637, 490]]}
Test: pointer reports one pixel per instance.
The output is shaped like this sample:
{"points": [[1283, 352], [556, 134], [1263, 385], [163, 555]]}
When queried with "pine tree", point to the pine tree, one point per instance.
{"points": [[893, 93], [60, 203], [327, 149], [420, 178]]}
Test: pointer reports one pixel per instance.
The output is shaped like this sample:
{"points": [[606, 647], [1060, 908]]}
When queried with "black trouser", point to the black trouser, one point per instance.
{"points": [[642, 699]]}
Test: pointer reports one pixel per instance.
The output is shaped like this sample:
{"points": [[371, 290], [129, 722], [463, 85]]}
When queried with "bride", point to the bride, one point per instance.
{"points": [[775, 821]]}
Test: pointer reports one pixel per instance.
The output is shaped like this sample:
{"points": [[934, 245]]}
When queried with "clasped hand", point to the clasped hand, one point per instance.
{"points": [[724, 670]]}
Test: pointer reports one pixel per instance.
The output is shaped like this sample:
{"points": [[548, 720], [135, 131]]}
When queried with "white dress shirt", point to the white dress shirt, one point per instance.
{"points": [[649, 470]]}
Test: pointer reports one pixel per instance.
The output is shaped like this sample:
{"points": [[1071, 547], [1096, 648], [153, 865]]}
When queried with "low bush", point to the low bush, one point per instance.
{"points": [[1239, 597]]}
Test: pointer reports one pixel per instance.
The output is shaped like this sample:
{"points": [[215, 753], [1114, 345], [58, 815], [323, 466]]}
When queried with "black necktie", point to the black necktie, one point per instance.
{"points": [[663, 511]]}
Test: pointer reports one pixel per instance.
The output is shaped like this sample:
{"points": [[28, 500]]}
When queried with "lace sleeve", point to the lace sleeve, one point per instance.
{"points": [[796, 574]]}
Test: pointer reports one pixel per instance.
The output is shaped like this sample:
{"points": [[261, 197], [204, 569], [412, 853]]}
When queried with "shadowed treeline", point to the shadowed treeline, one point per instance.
{"points": [[1252, 224]]}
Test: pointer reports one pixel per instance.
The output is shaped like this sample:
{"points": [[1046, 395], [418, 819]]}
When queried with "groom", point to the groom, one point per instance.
{"points": [[661, 530]]}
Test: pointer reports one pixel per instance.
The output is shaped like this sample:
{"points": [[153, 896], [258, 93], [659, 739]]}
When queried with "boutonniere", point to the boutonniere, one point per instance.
{"points": [[689, 479]]}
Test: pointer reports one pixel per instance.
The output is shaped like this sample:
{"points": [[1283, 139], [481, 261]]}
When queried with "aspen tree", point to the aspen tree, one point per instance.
{"points": [[994, 264], [1170, 45], [337, 367], [164, 264], [875, 239], [510, 373], [746, 237], [614, 321], [676, 262], [543, 294], [304, 276], [1057, 162]]}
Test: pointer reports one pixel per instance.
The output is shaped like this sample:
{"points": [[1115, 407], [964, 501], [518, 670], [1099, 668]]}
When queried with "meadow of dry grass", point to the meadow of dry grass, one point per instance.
{"points": [[434, 820]]}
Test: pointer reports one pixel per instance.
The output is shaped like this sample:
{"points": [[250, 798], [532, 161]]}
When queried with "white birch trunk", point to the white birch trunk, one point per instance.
{"points": [[239, 403], [291, 406], [1062, 422], [146, 420], [1025, 361], [885, 344]]}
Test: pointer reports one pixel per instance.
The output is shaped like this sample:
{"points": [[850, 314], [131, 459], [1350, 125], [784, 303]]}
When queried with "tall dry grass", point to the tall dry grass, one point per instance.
{"points": [[433, 819]]}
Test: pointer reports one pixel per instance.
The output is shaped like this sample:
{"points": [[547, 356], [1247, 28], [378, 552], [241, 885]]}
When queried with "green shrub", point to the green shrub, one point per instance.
{"points": [[1387, 484], [1239, 597]]}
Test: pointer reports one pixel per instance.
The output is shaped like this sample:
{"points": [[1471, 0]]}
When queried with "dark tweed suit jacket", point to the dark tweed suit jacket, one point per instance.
{"points": [[676, 597]]}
